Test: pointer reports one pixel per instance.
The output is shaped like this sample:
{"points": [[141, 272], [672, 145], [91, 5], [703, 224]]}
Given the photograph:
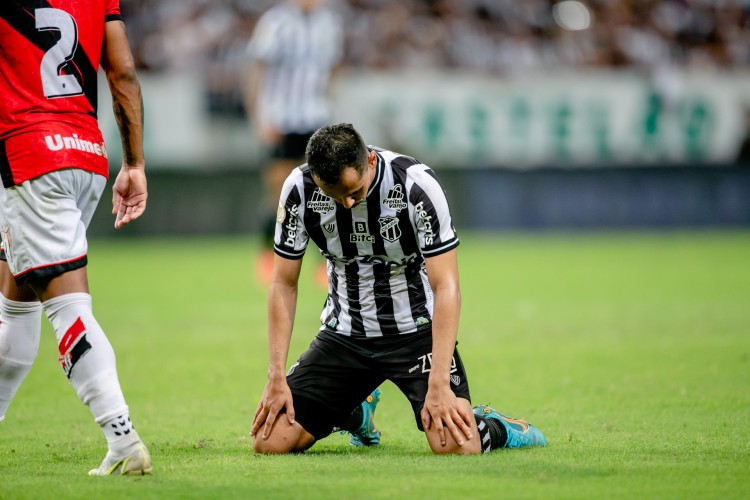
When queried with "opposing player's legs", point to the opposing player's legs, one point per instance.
{"points": [[88, 360], [20, 327], [47, 252]]}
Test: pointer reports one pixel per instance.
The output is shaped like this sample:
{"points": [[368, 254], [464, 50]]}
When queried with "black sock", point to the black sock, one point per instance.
{"points": [[492, 434], [354, 422]]}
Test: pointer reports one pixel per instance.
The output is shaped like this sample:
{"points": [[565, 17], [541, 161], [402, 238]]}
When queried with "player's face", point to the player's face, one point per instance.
{"points": [[351, 189]]}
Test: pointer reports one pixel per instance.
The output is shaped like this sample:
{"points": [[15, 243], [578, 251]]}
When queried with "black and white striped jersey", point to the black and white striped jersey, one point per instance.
{"points": [[377, 280], [300, 51]]}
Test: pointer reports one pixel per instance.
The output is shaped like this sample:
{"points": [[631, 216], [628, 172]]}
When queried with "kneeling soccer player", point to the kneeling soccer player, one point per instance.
{"points": [[382, 221]]}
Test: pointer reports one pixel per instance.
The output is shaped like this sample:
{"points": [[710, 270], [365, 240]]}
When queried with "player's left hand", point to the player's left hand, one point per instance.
{"points": [[129, 193], [442, 409]]}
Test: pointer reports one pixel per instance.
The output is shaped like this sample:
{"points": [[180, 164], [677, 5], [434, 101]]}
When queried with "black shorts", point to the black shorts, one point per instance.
{"points": [[292, 146], [337, 373]]}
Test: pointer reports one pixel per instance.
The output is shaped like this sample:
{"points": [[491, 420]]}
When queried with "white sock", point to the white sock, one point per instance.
{"points": [[20, 327], [88, 360]]}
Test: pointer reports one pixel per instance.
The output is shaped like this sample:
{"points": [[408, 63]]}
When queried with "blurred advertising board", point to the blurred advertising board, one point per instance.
{"points": [[596, 118], [591, 119]]}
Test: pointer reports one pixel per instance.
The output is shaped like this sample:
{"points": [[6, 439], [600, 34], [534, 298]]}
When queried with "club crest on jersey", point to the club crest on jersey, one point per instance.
{"points": [[389, 228], [395, 199], [73, 346], [361, 234], [320, 203]]}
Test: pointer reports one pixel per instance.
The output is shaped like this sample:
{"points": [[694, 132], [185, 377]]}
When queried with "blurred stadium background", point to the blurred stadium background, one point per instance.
{"points": [[536, 114]]}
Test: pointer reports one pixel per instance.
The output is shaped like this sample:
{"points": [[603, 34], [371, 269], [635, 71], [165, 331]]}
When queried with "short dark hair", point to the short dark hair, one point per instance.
{"points": [[333, 148]]}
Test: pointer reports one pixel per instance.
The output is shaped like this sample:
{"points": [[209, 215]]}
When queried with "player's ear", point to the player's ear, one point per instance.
{"points": [[372, 158]]}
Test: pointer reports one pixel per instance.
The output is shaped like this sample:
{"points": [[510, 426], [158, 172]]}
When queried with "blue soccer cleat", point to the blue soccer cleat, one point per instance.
{"points": [[520, 433], [367, 434]]}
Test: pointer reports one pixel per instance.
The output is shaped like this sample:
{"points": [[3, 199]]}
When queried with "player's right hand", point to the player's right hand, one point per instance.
{"points": [[129, 194], [276, 397]]}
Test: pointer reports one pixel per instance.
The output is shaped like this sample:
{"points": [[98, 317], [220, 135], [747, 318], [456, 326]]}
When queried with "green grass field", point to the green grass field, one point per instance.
{"points": [[631, 351]]}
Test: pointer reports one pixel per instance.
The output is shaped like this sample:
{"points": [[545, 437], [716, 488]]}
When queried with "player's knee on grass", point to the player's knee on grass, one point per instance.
{"points": [[470, 447], [284, 438]]}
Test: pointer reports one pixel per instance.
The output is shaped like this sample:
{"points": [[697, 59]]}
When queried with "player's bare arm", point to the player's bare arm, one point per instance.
{"points": [[282, 304], [442, 409], [129, 192]]}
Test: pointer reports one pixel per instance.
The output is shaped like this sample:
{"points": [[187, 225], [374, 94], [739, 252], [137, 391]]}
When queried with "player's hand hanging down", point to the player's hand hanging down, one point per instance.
{"points": [[129, 194]]}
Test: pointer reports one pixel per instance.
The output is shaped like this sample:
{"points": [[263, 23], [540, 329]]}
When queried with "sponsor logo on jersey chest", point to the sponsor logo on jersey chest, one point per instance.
{"points": [[320, 203], [395, 199], [361, 234]]}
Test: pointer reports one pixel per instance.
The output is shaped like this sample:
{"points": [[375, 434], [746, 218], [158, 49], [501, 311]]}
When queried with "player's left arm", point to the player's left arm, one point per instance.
{"points": [[441, 407], [129, 192]]}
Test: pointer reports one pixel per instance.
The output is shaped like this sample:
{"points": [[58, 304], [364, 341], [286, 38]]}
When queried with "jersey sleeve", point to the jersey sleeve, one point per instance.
{"points": [[290, 237], [430, 213], [112, 11]]}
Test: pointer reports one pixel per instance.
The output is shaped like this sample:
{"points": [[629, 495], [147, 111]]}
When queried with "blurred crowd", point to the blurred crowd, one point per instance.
{"points": [[502, 37]]}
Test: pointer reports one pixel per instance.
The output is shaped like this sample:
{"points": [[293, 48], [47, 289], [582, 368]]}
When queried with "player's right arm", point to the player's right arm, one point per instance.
{"points": [[282, 305], [129, 192]]}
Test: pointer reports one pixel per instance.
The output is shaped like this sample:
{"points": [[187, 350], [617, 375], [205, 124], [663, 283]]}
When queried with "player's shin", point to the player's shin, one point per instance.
{"points": [[20, 327], [88, 360]]}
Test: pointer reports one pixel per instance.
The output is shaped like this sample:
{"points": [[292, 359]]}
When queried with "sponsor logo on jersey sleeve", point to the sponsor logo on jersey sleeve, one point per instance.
{"points": [[423, 222], [292, 225]]}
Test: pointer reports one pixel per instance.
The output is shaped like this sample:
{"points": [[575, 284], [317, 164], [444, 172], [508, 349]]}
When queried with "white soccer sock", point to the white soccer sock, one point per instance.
{"points": [[87, 358], [20, 327]]}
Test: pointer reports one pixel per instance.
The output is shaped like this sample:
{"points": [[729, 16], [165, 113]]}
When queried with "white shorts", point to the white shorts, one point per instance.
{"points": [[43, 223]]}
